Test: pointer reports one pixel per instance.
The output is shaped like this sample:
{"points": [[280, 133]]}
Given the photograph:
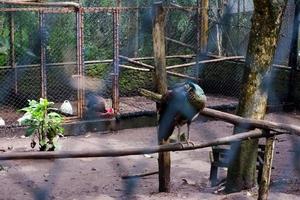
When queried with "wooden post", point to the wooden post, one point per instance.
{"points": [[202, 32], [203, 28], [160, 82], [266, 172]]}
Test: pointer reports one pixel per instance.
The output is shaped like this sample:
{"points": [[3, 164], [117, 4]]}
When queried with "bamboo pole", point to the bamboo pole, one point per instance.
{"points": [[160, 82], [264, 184], [234, 119], [134, 68], [134, 151]]}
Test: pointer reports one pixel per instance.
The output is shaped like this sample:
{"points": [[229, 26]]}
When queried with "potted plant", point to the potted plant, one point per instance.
{"points": [[42, 123]]}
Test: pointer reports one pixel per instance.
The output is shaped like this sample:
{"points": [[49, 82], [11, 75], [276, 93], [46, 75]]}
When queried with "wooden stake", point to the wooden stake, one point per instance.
{"points": [[160, 81], [203, 13], [266, 172]]}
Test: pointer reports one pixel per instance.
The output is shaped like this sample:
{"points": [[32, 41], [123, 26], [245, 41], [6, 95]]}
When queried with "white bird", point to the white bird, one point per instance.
{"points": [[2, 122], [66, 107], [25, 117]]}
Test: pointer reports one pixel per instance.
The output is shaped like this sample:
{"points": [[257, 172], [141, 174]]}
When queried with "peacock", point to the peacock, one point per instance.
{"points": [[96, 107], [179, 106]]}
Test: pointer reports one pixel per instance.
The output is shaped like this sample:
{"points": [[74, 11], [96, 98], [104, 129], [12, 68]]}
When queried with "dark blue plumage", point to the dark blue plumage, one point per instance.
{"points": [[179, 106]]}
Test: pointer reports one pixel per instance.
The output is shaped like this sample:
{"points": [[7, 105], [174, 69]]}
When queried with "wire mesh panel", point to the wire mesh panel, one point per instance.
{"points": [[98, 55], [61, 63], [30, 44], [21, 80]]}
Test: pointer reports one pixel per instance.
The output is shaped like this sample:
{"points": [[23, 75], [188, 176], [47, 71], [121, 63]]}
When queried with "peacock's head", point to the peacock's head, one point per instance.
{"points": [[197, 95]]}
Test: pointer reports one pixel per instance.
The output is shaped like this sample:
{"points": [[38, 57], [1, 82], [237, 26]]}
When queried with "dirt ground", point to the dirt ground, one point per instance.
{"points": [[101, 178]]}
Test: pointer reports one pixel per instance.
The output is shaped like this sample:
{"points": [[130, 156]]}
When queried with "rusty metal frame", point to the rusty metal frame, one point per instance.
{"points": [[116, 61], [80, 60], [43, 55], [12, 50]]}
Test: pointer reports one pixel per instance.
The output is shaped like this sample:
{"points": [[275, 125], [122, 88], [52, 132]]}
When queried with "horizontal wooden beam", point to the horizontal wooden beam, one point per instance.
{"points": [[234, 119], [133, 151]]}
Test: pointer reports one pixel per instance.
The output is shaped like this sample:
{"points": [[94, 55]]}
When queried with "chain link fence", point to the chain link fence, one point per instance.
{"points": [[29, 42]]}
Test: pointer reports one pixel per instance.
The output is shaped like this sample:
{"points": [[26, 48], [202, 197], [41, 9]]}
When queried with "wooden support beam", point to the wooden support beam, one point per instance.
{"points": [[134, 151], [236, 120], [161, 86], [263, 191]]}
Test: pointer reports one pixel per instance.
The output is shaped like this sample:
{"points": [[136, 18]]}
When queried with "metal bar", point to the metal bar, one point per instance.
{"points": [[80, 63], [43, 55], [49, 4], [38, 9], [116, 38], [111, 9]]}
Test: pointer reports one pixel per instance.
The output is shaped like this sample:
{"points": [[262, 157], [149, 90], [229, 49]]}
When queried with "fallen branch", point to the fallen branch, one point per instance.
{"points": [[135, 151], [139, 175]]}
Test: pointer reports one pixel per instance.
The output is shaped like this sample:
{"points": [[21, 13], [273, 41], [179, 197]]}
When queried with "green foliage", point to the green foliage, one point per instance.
{"points": [[46, 126]]}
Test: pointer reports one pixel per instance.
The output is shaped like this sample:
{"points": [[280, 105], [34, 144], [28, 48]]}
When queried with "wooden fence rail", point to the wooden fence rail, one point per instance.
{"points": [[135, 151]]}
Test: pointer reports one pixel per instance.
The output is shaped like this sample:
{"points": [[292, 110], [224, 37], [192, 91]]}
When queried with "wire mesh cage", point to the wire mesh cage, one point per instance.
{"points": [[63, 52]]}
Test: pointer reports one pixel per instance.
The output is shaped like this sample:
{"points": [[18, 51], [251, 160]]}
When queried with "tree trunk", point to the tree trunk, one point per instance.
{"points": [[266, 22]]}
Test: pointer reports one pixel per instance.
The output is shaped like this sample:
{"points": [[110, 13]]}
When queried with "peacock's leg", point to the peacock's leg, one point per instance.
{"points": [[188, 135], [178, 133]]}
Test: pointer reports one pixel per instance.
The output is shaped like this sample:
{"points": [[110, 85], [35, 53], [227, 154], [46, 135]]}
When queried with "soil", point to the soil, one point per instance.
{"points": [[101, 178]]}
